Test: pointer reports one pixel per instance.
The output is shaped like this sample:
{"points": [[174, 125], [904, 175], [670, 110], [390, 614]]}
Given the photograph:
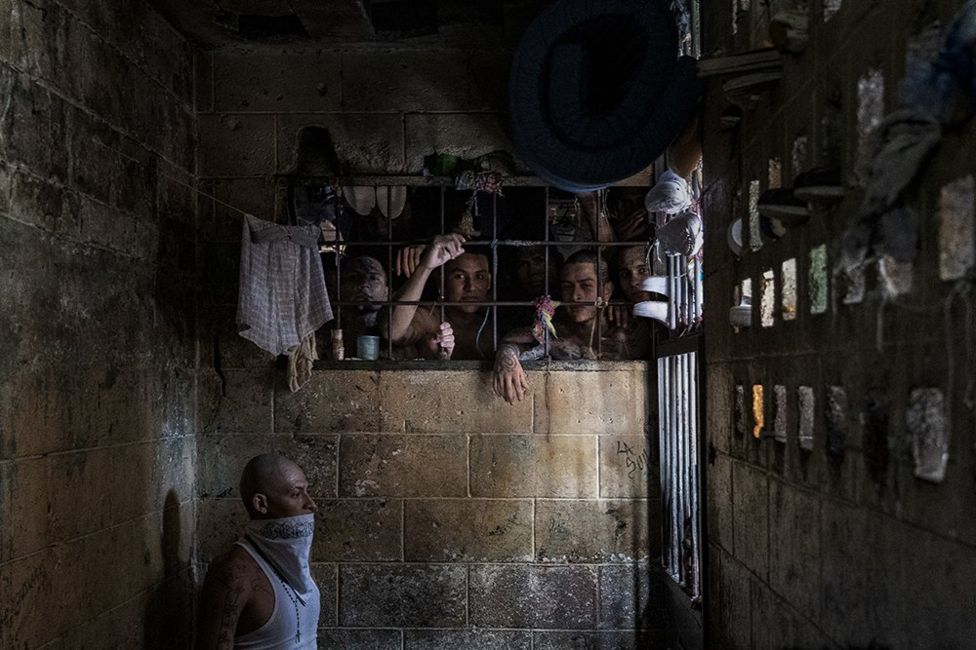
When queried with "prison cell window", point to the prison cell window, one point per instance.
{"points": [[678, 439], [755, 229], [800, 155], [805, 401], [779, 418], [835, 418], [788, 304], [758, 411], [957, 228], [870, 112], [445, 209], [740, 410], [925, 419], [774, 174], [830, 7], [818, 279], [895, 276]]}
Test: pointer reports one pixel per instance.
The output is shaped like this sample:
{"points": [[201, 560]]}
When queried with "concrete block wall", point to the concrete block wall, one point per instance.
{"points": [[448, 518], [97, 351], [385, 107], [805, 548]]}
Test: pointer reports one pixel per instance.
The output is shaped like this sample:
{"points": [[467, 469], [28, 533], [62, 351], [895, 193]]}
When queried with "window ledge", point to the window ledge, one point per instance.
{"points": [[384, 365]]}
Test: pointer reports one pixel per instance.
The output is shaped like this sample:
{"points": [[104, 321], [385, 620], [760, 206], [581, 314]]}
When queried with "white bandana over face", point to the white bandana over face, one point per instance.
{"points": [[286, 544]]}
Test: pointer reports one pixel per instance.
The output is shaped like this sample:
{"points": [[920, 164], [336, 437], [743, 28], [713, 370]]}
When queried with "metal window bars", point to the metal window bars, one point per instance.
{"points": [[678, 434], [679, 423], [685, 293], [493, 244]]}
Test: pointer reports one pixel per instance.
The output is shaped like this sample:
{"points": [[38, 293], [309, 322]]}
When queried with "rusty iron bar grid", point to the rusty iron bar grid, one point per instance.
{"points": [[493, 243]]}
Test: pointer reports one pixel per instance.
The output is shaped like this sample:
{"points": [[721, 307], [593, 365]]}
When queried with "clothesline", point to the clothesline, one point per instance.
{"points": [[207, 195]]}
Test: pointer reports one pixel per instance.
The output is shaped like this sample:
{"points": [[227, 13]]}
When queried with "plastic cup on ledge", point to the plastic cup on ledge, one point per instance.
{"points": [[368, 347]]}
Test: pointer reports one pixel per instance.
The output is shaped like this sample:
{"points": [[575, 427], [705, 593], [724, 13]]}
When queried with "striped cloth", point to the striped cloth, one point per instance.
{"points": [[282, 297]]}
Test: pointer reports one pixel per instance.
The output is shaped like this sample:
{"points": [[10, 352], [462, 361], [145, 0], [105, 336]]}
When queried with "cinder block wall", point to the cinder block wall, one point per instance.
{"points": [[449, 519], [97, 351], [385, 108], [806, 550]]}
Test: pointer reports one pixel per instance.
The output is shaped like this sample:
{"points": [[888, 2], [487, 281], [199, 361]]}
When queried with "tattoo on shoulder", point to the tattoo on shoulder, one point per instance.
{"points": [[232, 579], [233, 571]]}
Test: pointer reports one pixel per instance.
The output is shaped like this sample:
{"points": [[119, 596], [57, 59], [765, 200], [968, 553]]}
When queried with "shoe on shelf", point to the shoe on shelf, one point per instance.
{"points": [[782, 205], [820, 185], [740, 316], [656, 309], [657, 284], [670, 195], [682, 235]]}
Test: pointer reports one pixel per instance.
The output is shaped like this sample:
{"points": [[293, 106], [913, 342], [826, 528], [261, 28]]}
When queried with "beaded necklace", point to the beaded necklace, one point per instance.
{"points": [[290, 591], [293, 597]]}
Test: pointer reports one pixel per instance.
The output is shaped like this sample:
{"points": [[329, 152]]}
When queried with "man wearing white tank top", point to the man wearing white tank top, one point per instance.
{"points": [[260, 594]]}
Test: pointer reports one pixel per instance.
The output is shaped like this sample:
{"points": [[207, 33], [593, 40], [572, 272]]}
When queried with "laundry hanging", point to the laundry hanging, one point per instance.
{"points": [[283, 299], [364, 199]]}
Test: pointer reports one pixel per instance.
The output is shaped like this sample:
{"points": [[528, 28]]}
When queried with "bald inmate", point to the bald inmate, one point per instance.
{"points": [[261, 593]]}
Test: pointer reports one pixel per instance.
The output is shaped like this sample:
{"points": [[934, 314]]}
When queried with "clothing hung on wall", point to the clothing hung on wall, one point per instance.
{"points": [[283, 298]]}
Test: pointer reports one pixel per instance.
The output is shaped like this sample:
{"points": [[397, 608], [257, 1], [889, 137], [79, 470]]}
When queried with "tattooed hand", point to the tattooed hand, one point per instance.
{"points": [[511, 382]]}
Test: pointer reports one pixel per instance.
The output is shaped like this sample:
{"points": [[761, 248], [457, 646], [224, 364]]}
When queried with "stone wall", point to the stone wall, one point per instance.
{"points": [[448, 518], [97, 351], [384, 107], [839, 545]]}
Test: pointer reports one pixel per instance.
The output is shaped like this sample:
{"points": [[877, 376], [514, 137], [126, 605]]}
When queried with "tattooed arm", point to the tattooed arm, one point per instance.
{"points": [[226, 591], [510, 380]]}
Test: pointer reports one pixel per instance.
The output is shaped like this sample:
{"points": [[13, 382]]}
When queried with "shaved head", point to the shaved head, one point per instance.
{"points": [[267, 474], [363, 278], [364, 264]]}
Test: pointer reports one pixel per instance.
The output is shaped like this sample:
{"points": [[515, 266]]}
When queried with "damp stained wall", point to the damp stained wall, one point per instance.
{"points": [[447, 518], [97, 336], [825, 537]]}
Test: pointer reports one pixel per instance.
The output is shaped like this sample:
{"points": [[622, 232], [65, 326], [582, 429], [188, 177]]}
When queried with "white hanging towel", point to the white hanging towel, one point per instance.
{"points": [[283, 298]]}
